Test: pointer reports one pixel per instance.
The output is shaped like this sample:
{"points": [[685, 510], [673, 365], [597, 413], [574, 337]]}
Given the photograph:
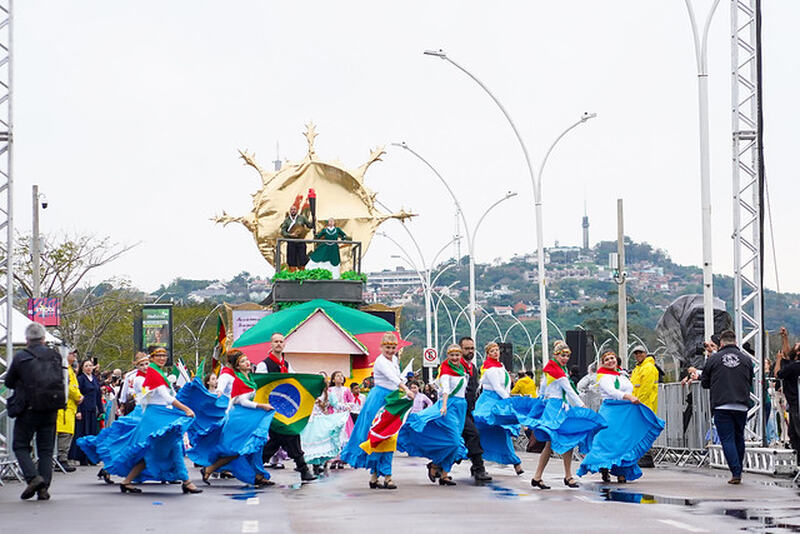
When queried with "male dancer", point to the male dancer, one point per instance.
{"points": [[276, 363], [472, 438]]}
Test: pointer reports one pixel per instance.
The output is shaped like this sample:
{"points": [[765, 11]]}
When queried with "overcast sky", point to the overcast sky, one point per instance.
{"points": [[129, 116]]}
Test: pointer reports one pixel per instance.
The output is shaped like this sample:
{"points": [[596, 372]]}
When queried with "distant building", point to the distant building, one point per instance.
{"points": [[503, 310], [399, 278], [215, 289]]}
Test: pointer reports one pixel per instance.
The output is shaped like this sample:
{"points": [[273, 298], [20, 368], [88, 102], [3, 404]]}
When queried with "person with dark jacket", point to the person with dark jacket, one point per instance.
{"points": [[728, 374], [472, 438], [87, 420], [787, 369], [275, 362], [33, 375]]}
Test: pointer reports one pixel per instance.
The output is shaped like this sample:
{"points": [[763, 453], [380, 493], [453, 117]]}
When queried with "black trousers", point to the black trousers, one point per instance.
{"points": [[794, 429], [290, 444], [296, 254], [472, 439], [41, 425]]}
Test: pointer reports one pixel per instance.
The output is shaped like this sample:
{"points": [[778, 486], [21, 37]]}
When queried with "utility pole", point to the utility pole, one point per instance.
{"points": [[623, 297], [37, 292]]}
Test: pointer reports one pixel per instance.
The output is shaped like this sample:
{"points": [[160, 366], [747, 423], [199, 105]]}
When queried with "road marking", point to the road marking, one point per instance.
{"points": [[249, 526], [252, 500], [678, 524]]}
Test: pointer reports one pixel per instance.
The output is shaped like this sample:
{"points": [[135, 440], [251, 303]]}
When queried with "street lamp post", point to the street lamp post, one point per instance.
{"points": [[35, 241], [470, 235], [701, 55], [536, 183]]}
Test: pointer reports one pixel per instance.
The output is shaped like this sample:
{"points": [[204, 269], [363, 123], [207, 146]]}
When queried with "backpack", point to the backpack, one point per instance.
{"points": [[45, 387]]}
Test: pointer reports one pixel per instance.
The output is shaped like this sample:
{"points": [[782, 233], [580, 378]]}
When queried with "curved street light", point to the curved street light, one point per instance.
{"points": [[470, 235], [536, 183]]}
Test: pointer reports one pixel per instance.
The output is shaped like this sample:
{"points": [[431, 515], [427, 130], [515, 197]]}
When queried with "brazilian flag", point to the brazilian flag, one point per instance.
{"points": [[292, 395]]}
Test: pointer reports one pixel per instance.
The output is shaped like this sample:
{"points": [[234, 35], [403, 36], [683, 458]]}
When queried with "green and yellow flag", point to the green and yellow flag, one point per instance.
{"points": [[292, 395]]}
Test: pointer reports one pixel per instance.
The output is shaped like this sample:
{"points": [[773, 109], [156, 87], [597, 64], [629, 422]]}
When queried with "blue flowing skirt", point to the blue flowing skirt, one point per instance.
{"points": [[209, 409], [242, 434], [566, 427], [98, 447], [431, 435], [499, 420], [378, 462], [632, 429], [157, 439]]}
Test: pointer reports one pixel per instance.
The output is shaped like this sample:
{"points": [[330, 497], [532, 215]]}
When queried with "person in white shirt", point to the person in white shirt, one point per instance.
{"points": [[435, 432], [388, 379], [631, 427], [158, 393], [496, 437], [565, 422]]}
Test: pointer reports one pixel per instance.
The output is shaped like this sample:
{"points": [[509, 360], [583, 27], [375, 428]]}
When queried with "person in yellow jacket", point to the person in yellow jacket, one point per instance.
{"points": [[65, 422], [525, 385], [645, 379], [645, 387]]}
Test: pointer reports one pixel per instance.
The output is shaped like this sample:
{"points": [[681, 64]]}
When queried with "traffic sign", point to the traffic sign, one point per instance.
{"points": [[429, 357]]}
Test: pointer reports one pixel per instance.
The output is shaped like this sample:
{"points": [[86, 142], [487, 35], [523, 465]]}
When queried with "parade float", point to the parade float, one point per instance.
{"points": [[326, 206]]}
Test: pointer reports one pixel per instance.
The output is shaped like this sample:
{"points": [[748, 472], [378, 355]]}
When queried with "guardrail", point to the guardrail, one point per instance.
{"points": [[354, 245]]}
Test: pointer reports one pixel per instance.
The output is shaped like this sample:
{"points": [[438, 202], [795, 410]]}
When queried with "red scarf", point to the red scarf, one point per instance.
{"points": [[553, 369], [281, 362], [453, 370], [489, 363], [154, 378], [139, 372], [606, 371], [227, 371], [240, 387]]}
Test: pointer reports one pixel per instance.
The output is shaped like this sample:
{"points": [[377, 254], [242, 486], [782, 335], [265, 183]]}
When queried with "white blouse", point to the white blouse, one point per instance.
{"points": [[161, 396], [225, 384], [387, 372], [559, 388], [453, 386], [245, 399], [608, 389], [496, 379]]}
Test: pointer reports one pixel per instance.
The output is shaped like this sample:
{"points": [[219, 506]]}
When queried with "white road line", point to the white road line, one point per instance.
{"points": [[253, 500], [249, 526], [678, 524]]}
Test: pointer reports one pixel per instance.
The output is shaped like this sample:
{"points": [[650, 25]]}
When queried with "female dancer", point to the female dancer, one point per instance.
{"points": [[237, 443], [386, 371], [632, 427], [96, 447], [494, 412], [154, 450], [562, 405], [435, 432]]}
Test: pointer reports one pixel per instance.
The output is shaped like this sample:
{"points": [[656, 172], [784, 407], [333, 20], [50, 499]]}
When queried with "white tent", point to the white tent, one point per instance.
{"points": [[18, 324]]}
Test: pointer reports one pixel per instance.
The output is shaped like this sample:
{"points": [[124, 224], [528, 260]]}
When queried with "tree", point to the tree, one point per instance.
{"points": [[65, 261]]}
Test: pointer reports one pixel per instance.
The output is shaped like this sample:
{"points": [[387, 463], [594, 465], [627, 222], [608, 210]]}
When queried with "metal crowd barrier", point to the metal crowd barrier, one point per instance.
{"points": [[687, 412]]}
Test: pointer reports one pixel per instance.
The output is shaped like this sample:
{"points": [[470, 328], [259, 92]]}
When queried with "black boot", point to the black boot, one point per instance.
{"points": [[305, 474], [478, 470]]}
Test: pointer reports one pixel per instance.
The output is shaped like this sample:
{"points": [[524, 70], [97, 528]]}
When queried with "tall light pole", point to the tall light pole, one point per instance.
{"points": [[470, 235], [424, 276], [701, 55], [35, 242], [536, 183]]}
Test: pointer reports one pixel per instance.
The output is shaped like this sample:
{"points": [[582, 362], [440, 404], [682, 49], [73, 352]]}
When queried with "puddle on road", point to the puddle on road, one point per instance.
{"points": [[758, 519]]}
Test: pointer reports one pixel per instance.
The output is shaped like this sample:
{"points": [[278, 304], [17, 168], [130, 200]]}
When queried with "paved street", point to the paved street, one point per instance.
{"points": [[664, 500]]}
